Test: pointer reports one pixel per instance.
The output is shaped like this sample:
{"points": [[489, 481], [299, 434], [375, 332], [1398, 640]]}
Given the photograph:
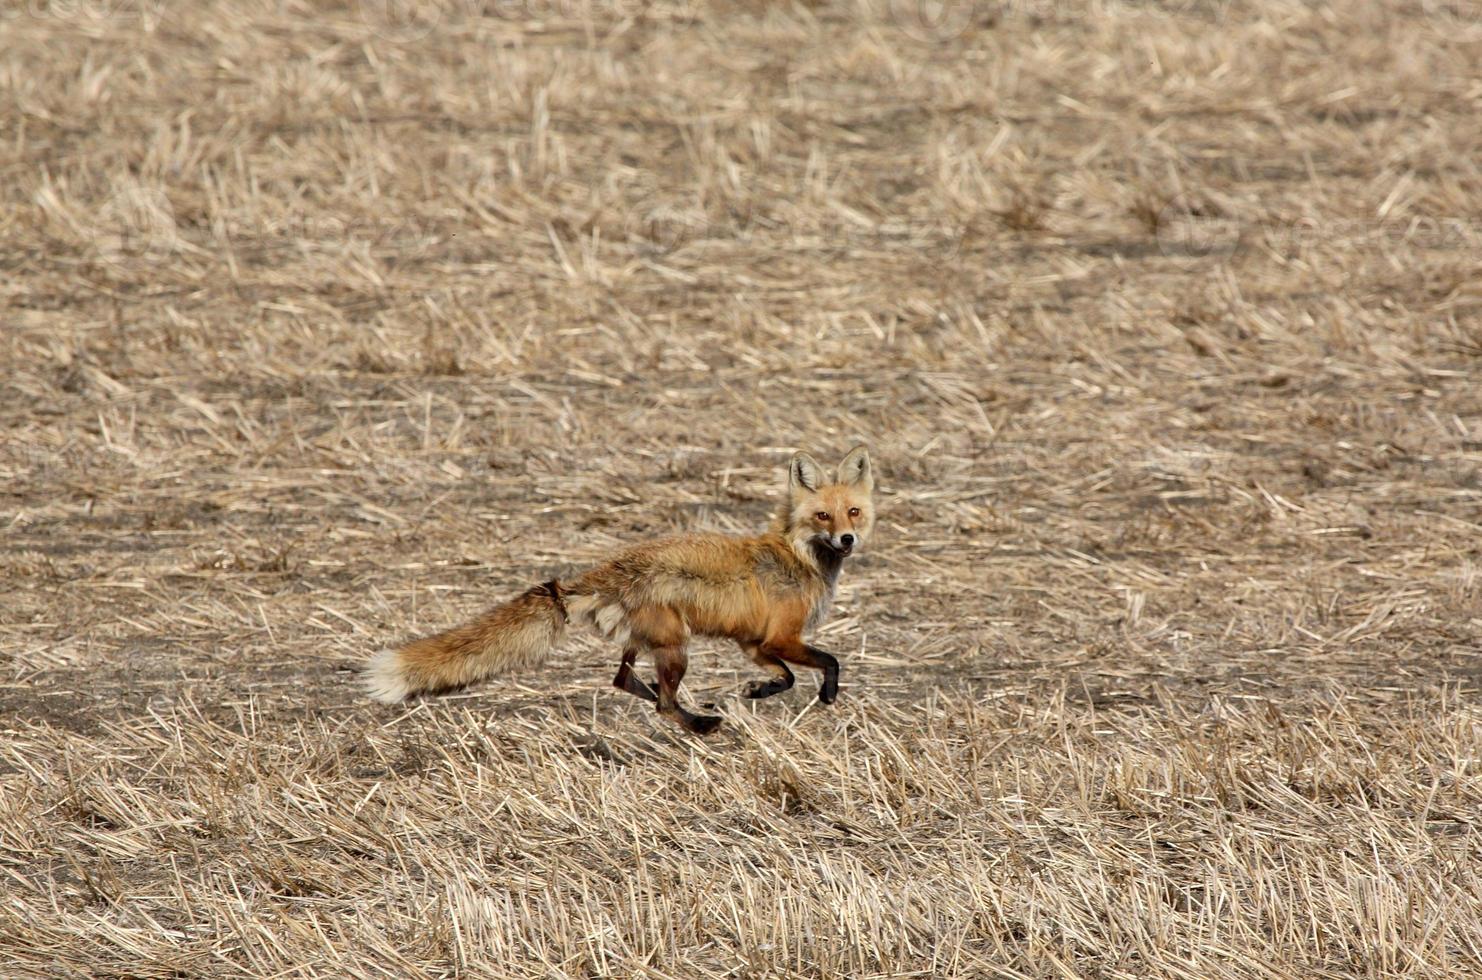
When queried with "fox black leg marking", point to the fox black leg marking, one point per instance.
{"points": [[827, 663], [672, 663], [781, 680], [765, 689], [628, 681], [806, 656]]}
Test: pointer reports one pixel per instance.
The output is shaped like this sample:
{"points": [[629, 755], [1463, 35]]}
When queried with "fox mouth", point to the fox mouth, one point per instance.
{"points": [[838, 550]]}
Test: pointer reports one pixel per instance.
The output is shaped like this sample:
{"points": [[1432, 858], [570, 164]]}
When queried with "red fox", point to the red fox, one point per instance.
{"points": [[762, 592]]}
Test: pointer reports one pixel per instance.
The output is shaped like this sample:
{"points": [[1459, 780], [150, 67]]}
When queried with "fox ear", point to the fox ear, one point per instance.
{"points": [[855, 470], [803, 473]]}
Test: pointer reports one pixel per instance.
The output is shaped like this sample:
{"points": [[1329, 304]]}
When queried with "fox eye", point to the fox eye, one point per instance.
{"points": [[853, 511], [822, 515]]}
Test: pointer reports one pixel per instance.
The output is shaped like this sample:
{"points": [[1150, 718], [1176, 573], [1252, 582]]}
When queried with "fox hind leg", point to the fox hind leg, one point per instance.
{"points": [[628, 681], [780, 680], [662, 632], [672, 662]]}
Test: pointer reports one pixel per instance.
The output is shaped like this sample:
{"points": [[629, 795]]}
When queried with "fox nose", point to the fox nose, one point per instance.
{"points": [[847, 540]]}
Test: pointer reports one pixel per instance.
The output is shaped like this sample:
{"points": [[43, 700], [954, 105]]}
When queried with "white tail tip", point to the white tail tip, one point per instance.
{"points": [[383, 679]]}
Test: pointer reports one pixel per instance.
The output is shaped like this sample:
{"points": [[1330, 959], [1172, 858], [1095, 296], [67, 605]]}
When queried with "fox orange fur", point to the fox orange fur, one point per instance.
{"points": [[761, 591]]}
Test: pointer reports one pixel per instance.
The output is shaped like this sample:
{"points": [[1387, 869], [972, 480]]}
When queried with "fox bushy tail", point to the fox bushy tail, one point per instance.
{"points": [[519, 633]]}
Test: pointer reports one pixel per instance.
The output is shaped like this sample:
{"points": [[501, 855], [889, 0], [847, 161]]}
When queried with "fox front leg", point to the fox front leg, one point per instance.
{"points": [[804, 655], [781, 679], [829, 664]]}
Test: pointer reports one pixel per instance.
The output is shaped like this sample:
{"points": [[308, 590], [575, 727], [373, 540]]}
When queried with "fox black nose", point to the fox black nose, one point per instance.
{"points": [[847, 540]]}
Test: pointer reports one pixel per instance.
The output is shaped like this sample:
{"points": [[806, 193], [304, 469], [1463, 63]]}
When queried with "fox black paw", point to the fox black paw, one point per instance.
{"points": [[763, 689], [704, 724]]}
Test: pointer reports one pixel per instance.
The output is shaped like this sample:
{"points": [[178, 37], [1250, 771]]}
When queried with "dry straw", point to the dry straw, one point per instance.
{"points": [[327, 324]]}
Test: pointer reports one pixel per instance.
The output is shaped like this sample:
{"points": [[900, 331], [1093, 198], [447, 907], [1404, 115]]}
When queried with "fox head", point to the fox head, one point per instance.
{"points": [[835, 517]]}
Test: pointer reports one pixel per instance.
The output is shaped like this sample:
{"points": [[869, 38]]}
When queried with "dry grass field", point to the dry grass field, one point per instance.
{"points": [[326, 325]]}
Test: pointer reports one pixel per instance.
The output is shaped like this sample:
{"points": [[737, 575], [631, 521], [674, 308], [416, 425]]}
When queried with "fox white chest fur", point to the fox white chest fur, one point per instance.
{"points": [[819, 613]]}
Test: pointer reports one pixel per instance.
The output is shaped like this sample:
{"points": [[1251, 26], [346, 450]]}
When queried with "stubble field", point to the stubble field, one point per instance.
{"points": [[325, 326]]}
